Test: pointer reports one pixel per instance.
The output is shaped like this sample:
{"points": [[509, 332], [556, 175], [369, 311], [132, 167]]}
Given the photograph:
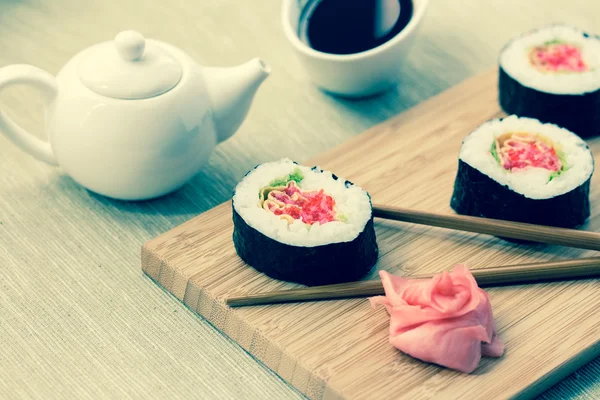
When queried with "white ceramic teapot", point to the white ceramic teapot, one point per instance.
{"points": [[134, 118]]}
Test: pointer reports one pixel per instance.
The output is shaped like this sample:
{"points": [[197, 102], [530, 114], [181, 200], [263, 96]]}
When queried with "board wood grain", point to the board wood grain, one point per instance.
{"points": [[339, 349]]}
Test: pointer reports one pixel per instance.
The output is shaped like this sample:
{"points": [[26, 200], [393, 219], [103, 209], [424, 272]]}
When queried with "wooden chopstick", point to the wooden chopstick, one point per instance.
{"points": [[513, 230], [510, 274]]}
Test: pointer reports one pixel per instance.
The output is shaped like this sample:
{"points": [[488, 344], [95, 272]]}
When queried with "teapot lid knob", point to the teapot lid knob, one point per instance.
{"points": [[130, 45], [129, 67]]}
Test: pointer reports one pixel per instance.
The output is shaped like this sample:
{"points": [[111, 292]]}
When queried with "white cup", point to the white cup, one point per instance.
{"points": [[352, 75]]}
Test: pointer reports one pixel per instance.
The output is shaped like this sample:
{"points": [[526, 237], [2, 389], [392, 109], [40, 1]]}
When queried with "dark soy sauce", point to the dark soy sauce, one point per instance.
{"points": [[352, 26]]}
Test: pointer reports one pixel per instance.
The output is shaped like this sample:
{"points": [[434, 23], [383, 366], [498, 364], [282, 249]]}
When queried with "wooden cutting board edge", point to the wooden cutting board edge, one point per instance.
{"points": [[560, 373], [232, 324]]}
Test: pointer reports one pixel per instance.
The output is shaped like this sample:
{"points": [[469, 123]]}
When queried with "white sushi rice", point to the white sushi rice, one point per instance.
{"points": [[514, 59], [530, 182], [353, 202]]}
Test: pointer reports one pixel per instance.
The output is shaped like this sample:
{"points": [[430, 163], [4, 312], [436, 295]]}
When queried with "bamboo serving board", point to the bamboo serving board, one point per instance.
{"points": [[339, 349]]}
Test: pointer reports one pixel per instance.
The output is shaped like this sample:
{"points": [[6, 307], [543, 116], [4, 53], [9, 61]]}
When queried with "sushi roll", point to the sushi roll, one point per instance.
{"points": [[519, 169], [303, 225], [553, 74]]}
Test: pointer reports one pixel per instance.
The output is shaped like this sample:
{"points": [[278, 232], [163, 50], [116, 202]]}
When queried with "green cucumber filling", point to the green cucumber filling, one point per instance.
{"points": [[296, 176]]}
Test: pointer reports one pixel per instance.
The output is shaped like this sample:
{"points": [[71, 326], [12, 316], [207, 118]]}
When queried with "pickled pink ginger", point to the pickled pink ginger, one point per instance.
{"points": [[446, 320]]}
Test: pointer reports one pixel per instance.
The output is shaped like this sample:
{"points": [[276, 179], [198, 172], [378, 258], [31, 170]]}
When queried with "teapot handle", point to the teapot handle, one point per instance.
{"points": [[45, 83]]}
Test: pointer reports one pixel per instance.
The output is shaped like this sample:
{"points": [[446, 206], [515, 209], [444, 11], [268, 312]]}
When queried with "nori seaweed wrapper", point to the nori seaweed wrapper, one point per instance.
{"points": [[478, 195], [579, 113], [312, 265]]}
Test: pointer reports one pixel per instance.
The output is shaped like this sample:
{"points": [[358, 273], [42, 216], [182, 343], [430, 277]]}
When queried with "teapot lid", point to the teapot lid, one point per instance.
{"points": [[129, 67]]}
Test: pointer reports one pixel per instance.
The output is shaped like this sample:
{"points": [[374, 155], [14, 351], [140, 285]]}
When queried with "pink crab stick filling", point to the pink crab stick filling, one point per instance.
{"points": [[291, 203], [446, 320], [520, 150], [558, 57]]}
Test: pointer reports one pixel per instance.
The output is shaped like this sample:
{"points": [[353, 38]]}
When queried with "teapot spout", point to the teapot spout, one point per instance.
{"points": [[231, 91]]}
